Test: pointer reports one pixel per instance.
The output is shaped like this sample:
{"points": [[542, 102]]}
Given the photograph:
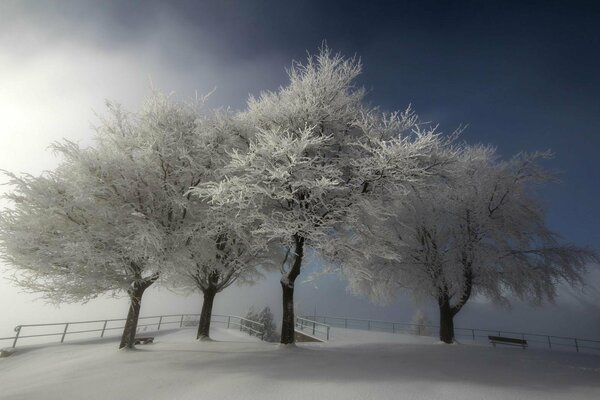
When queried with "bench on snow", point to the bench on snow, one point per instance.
{"points": [[507, 341], [143, 340]]}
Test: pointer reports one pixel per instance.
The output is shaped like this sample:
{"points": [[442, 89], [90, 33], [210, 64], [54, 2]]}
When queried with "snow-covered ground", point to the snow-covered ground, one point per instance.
{"points": [[353, 365]]}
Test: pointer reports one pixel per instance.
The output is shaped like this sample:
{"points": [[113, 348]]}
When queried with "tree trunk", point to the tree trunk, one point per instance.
{"points": [[128, 337], [206, 314], [447, 312], [446, 322], [288, 322]]}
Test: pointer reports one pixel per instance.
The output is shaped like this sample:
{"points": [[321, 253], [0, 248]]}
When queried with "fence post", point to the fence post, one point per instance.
{"points": [[62, 339], [369, 325], [228, 321], [103, 329], [549, 343], [18, 330], [393, 327], [159, 322], [328, 332], [314, 325], [576, 345], [473, 332], [181, 322], [346, 323]]}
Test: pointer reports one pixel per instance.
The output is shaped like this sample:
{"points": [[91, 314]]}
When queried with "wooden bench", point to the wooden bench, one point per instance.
{"points": [[507, 341], [143, 340]]}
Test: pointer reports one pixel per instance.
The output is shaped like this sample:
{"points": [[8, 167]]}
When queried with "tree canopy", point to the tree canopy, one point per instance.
{"points": [[476, 229]]}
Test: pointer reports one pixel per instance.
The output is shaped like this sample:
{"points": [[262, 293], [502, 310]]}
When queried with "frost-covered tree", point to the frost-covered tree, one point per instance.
{"points": [[183, 147], [478, 229], [70, 239], [212, 264], [211, 249], [117, 213], [315, 149], [265, 317]]}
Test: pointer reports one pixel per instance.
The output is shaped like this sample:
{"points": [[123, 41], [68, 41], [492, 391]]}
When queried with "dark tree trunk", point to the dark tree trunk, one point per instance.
{"points": [[135, 294], [288, 322], [447, 311], [128, 337], [446, 322], [206, 314]]}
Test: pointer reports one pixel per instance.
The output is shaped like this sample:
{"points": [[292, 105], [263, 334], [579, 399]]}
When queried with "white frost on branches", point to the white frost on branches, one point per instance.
{"points": [[475, 229]]}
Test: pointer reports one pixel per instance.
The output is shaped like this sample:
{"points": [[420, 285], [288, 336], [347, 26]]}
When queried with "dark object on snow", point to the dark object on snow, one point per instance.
{"points": [[507, 341], [144, 340], [7, 352]]}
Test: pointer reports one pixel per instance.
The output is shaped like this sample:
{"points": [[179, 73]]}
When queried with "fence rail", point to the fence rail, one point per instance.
{"points": [[253, 328], [317, 329], [150, 323], [477, 335]]}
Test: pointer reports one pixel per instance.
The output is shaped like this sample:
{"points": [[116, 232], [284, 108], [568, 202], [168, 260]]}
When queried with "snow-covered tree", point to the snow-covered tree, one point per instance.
{"points": [[210, 249], [212, 264], [265, 317], [115, 216], [183, 147], [72, 239], [478, 229], [63, 244], [315, 149]]}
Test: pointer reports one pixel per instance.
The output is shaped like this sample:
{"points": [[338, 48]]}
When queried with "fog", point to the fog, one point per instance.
{"points": [[58, 65]]}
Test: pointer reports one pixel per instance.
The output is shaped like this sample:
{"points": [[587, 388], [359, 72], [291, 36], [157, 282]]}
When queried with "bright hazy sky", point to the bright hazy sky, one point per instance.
{"points": [[522, 77]]}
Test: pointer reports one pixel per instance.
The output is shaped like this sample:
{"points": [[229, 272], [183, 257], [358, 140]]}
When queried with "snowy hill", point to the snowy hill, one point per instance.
{"points": [[353, 365]]}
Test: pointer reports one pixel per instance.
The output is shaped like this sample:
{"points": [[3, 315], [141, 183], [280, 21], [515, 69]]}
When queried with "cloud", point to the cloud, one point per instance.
{"points": [[55, 70]]}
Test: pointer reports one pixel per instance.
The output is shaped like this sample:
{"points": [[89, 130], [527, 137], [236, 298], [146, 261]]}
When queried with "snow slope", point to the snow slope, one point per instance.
{"points": [[354, 365]]}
